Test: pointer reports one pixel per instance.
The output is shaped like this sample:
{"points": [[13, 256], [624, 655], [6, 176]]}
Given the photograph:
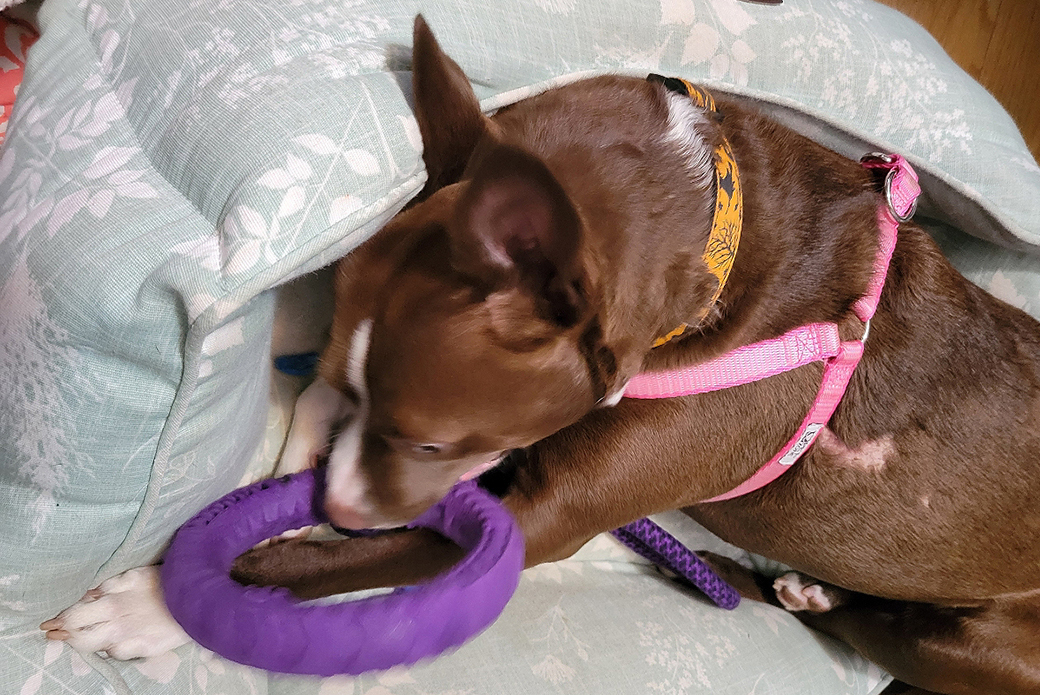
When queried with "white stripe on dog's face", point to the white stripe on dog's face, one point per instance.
{"points": [[358, 358], [346, 487]]}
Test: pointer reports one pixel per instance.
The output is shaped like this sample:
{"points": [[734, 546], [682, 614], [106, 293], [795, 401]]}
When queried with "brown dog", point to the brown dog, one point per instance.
{"points": [[552, 245]]}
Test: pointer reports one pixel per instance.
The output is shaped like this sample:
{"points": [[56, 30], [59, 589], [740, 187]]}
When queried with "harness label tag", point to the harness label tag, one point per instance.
{"points": [[803, 443]]}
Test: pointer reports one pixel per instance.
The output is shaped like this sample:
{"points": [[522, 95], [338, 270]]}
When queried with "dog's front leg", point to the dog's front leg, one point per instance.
{"points": [[125, 616], [569, 489], [587, 480], [312, 569], [318, 409]]}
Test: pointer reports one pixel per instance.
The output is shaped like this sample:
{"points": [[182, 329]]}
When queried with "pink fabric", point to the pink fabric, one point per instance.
{"points": [[902, 186], [801, 346], [793, 349], [835, 380], [902, 189]]}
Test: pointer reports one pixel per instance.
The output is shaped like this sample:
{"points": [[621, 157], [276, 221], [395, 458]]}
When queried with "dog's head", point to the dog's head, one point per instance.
{"points": [[470, 324]]}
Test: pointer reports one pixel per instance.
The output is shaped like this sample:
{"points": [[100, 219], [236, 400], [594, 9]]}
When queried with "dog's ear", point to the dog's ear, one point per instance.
{"points": [[449, 116], [515, 227]]}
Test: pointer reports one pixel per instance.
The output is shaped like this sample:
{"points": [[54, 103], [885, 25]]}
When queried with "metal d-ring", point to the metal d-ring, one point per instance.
{"points": [[889, 183]]}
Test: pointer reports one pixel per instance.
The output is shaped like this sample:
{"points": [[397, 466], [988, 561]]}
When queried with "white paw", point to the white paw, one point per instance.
{"points": [[797, 592], [124, 616], [299, 455], [318, 408]]}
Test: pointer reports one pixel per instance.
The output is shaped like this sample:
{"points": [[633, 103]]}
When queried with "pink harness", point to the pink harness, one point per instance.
{"points": [[801, 346]]}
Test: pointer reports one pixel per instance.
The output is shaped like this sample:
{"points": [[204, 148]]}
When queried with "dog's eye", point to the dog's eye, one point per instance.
{"points": [[427, 449], [420, 449]]}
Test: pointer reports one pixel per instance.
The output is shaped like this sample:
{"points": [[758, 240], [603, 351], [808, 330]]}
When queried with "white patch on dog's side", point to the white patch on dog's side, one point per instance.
{"points": [[125, 617], [345, 483], [684, 119], [796, 592], [870, 456]]}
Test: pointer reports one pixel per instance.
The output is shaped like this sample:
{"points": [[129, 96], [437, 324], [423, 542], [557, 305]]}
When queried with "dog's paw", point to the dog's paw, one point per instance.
{"points": [[318, 408], [125, 616], [299, 456], [799, 592]]}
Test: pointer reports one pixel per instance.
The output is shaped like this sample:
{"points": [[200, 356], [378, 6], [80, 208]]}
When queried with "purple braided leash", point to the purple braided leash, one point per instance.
{"points": [[663, 549]]}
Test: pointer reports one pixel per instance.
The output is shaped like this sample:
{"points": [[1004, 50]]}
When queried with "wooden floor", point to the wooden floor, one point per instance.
{"points": [[995, 41]]}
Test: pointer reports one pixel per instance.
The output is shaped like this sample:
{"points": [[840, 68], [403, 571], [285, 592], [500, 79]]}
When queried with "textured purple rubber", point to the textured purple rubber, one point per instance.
{"points": [[268, 628], [664, 550]]}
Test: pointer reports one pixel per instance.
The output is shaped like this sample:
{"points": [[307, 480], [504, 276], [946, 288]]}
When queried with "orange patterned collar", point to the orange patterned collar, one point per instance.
{"points": [[724, 238]]}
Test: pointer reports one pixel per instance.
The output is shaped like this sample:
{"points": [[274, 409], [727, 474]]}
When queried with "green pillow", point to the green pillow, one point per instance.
{"points": [[168, 164]]}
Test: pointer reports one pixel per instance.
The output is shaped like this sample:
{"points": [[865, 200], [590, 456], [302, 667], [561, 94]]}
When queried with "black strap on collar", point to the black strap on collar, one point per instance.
{"points": [[678, 85]]}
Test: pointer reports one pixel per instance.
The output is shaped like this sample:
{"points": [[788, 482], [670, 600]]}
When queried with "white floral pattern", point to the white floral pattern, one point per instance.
{"points": [[170, 161]]}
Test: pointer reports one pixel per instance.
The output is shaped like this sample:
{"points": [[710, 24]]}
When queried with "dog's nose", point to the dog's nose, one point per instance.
{"points": [[346, 516]]}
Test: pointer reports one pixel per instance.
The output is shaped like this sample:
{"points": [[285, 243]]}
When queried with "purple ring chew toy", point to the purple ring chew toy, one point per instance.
{"points": [[268, 628]]}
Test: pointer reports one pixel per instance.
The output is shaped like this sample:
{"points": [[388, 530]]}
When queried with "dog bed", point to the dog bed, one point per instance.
{"points": [[168, 164]]}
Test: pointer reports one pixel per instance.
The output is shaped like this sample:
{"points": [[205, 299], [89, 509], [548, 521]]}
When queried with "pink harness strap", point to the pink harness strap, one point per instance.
{"points": [[801, 346], [797, 348]]}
